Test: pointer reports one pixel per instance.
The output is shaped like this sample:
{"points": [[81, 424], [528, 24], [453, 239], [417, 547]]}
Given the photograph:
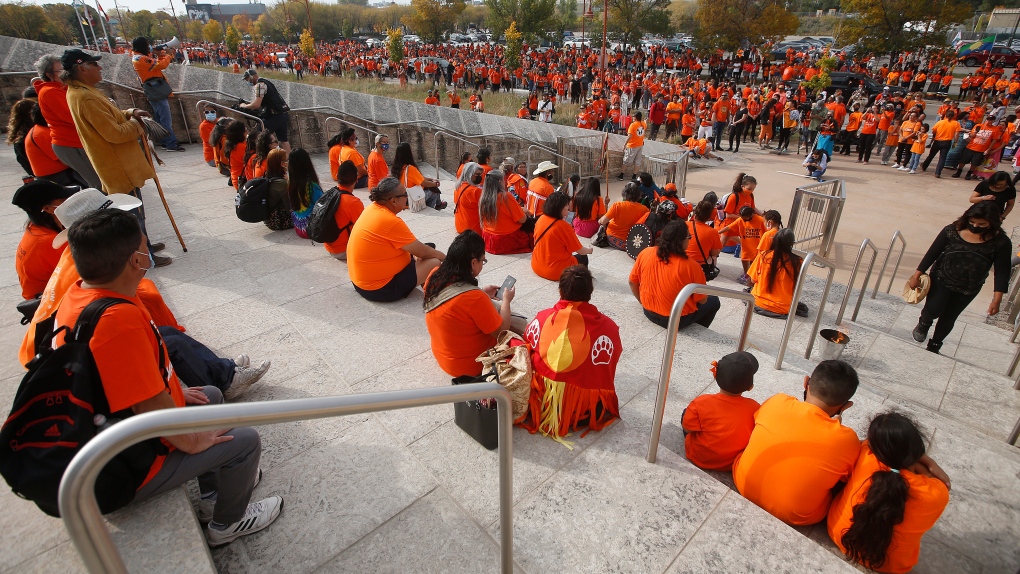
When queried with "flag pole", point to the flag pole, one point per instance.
{"points": [[81, 24], [102, 16]]}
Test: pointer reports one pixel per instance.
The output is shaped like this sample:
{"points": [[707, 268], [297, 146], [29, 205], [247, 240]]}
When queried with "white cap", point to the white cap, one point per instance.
{"points": [[85, 202]]}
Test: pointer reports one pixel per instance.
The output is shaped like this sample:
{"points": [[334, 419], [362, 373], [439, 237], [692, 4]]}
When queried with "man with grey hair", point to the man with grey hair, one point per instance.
{"points": [[378, 169], [52, 95]]}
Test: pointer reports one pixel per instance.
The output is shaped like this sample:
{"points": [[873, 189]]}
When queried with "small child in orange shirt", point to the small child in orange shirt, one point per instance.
{"points": [[717, 427], [204, 131], [773, 223], [918, 148], [749, 227], [891, 141]]}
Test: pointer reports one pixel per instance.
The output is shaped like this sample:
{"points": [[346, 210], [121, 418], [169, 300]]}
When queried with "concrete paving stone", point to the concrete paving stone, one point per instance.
{"points": [[730, 540], [263, 261], [308, 278], [936, 557], [234, 321], [985, 346], [190, 267], [984, 400], [27, 531], [374, 348], [8, 275], [609, 510], [327, 313], [897, 366], [432, 535], [334, 495], [906, 322], [861, 340], [208, 292], [285, 345]]}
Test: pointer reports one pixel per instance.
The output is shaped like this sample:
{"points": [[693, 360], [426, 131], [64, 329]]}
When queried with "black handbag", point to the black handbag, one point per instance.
{"points": [[709, 268], [156, 89], [601, 239], [478, 420]]}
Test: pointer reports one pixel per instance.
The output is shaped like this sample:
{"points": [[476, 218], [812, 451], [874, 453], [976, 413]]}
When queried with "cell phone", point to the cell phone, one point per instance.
{"points": [[507, 284]]}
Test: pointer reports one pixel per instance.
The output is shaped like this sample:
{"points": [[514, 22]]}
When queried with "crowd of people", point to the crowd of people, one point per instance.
{"points": [[86, 241]]}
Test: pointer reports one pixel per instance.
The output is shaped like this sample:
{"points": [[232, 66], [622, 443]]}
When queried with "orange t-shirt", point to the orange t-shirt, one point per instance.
{"points": [[204, 131], [539, 190], [636, 134], [377, 168], [659, 283], [465, 215], [347, 213], [348, 153], [411, 177], [718, 427], [796, 455], [926, 499], [945, 130], [766, 240], [554, 249], [126, 352], [778, 298], [918, 145], [622, 216], [35, 259], [460, 330], [39, 150], [750, 233], [709, 238], [237, 162], [508, 216], [374, 251], [334, 160]]}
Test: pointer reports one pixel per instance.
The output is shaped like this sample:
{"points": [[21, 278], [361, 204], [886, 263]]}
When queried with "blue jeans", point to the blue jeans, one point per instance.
{"points": [[915, 158], [195, 364], [817, 174], [161, 111], [717, 130]]}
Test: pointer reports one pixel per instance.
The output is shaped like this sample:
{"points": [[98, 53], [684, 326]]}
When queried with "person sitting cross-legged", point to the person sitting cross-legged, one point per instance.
{"points": [[717, 427], [109, 250]]}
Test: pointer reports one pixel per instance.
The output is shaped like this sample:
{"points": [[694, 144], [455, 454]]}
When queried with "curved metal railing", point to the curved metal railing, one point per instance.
{"points": [[202, 103], [881, 273], [809, 259], [666, 368], [77, 500], [853, 275]]}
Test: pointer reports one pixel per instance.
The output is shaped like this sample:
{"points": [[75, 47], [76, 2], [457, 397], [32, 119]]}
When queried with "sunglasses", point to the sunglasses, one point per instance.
{"points": [[399, 196]]}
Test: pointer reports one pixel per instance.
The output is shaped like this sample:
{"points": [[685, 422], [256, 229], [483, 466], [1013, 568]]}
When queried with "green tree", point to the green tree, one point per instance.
{"points": [[63, 24], [534, 18], [727, 23], [213, 32], [348, 28], [681, 16], [193, 30], [823, 79], [894, 26], [395, 44], [232, 39], [241, 23], [307, 43], [23, 21], [566, 16], [629, 20], [514, 45], [431, 19], [141, 23]]}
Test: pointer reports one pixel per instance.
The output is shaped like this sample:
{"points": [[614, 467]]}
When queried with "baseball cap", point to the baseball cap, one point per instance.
{"points": [[32, 196], [249, 73], [76, 57], [735, 372], [85, 202]]}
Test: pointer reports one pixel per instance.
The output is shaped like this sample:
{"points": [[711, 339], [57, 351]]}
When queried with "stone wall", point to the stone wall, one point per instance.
{"points": [[401, 120]]}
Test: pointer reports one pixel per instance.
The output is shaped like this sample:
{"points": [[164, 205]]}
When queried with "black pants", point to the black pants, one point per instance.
{"points": [[942, 148], [581, 259], [847, 139], [784, 139], [703, 316], [864, 147], [735, 132], [944, 305], [903, 153], [971, 157]]}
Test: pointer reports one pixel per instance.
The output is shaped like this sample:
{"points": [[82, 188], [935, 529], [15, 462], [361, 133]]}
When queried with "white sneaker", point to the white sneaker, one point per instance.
{"points": [[913, 171], [206, 505], [244, 378], [904, 168], [258, 516], [885, 163], [895, 166], [242, 360]]}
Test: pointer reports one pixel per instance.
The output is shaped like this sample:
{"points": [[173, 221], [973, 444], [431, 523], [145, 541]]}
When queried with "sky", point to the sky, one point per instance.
{"points": [[152, 5]]}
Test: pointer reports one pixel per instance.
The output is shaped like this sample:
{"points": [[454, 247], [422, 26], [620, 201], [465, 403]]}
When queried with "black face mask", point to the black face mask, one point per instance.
{"points": [[977, 230]]}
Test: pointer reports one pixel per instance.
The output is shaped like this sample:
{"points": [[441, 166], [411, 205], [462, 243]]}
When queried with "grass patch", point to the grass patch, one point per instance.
{"points": [[501, 103]]}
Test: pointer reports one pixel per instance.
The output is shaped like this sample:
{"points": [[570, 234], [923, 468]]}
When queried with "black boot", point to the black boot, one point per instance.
{"points": [[920, 332], [934, 346]]}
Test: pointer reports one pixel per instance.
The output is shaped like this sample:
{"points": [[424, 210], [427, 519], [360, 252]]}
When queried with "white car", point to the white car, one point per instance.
{"points": [[577, 43]]}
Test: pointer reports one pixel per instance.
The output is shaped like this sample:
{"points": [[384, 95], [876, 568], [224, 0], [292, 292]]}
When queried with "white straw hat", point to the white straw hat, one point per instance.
{"points": [[544, 167], [85, 202]]}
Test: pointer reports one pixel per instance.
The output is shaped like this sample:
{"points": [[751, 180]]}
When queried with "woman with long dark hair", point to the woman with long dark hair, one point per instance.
{"points": [[660, 272], [250, 142], [255, 165], [303, 189], [960, 259], [344, 147], [406, 170], [623, 215], [18, 125], [278, 200], [588, 207], [44, 161], [895, 494], [705, 246], [556, 244], [506, 229], [233, 150], [773, 277], [459, 315]]}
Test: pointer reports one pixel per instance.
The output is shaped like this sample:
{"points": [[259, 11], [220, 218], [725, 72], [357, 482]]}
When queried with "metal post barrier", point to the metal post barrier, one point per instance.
{"points": [[1014, 434], [666, 367], [853, 275], [881, 272], [202, 103], [815, 215], [1016, 356], [77, 500], [1012, 300], [805, 266], [681, 174]]}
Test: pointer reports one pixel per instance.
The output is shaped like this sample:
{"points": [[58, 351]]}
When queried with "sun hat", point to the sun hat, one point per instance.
{"points": [[544, 167], [85, 202]]}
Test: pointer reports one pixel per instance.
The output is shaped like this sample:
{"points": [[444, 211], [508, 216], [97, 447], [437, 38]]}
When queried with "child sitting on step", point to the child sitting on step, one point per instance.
{"points": [[717, 427]]}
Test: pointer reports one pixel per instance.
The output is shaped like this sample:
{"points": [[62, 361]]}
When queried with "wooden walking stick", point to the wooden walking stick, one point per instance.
{"points": [[148, 156]]}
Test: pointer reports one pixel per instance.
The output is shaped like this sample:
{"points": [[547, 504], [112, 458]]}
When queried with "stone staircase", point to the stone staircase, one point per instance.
{"points": [[409, 491]]}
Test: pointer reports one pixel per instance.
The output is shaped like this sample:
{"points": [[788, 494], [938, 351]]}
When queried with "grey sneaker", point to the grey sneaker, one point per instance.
{"points": [[258, 516], [244, 378], [206, 505], [920, 332], [242, 360]]}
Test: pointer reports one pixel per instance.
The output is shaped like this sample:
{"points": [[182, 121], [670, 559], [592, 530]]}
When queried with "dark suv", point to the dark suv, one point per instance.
{"points": [[850, 81]]}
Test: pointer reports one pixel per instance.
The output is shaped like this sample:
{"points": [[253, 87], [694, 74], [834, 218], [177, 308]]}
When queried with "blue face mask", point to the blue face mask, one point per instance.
{"points": [[386, 147], [211, 116], [152, 262]]}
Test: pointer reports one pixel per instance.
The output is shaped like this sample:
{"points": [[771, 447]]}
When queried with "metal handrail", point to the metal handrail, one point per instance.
{"points": [[682, 165], [125, 86], [25, 73], [551, 152], [435, 145], [809, 259], [184, 116], [1014, 434], [853, 275], [666, 368], [881, 273], [202, 103], [77, 500]]}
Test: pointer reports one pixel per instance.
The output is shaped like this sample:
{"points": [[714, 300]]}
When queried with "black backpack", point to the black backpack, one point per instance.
{"points": [[322, 227], [59, 407], [251, 201]]}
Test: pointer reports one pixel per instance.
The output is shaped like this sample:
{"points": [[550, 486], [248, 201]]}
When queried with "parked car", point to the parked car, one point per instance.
{"points": [[577, 43], [1003, 55], [850, 81]]}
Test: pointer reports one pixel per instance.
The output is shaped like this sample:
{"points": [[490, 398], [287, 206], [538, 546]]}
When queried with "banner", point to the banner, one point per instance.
{"points": [[977, 46]]}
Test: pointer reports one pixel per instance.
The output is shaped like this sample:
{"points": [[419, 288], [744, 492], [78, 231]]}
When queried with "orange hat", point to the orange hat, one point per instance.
{"points": [[670, 187]]}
